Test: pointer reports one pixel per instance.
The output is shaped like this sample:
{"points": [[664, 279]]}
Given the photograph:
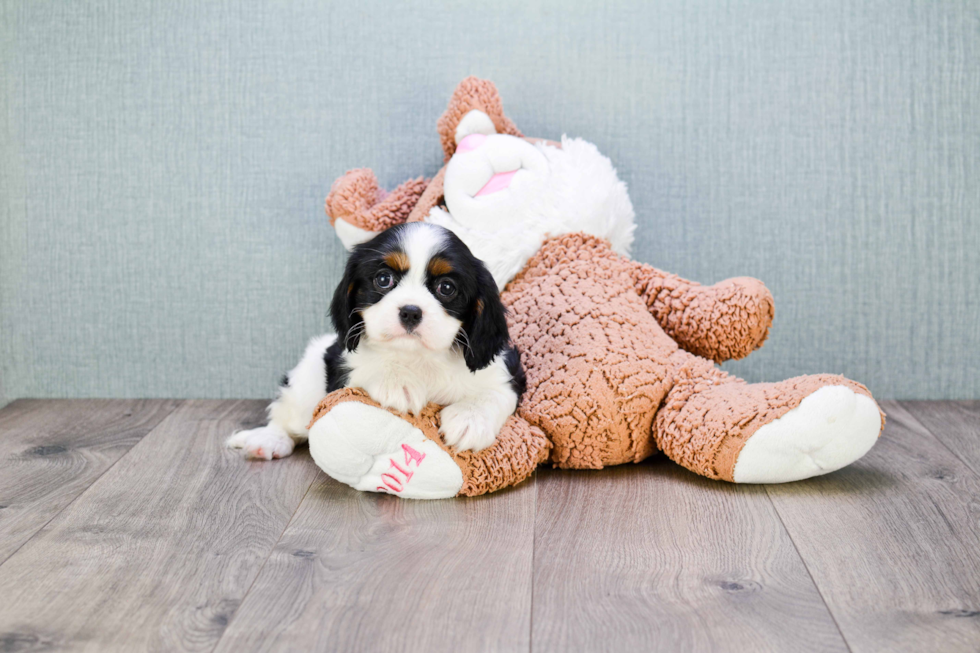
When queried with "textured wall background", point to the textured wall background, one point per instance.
{"points": [[164, 166]]}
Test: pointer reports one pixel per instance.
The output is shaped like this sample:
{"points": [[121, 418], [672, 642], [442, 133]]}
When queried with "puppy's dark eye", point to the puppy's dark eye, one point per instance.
{"points": [[445, 288], [383, 280]]}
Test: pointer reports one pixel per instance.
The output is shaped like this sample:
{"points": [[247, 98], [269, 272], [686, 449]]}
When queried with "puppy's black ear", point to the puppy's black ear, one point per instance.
{"points": [[343, 306], [486, 324]]}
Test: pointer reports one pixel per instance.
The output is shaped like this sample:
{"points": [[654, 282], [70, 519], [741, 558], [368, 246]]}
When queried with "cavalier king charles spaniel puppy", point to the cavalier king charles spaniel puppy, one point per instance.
{"points": [[418, 319]]}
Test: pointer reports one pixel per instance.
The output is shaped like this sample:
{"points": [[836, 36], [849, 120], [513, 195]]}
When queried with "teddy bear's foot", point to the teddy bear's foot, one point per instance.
{"points": [[721, 427], [831, 428], [369, 448]]}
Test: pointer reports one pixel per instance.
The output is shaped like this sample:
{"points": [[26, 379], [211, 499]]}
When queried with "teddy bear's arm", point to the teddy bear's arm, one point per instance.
{"points": [[431, 197], [357, 199], [728, 320]]}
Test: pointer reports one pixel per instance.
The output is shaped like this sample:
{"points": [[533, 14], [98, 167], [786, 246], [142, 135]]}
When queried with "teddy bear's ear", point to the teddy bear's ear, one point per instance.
{"points": [[472, 94]]}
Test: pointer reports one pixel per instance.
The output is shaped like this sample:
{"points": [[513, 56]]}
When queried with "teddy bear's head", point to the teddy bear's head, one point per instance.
{"points": [[504, 194], [501, 193]]}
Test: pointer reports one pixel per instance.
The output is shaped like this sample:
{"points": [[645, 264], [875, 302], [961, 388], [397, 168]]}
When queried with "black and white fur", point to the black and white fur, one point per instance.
{"points": [[418, 320]]}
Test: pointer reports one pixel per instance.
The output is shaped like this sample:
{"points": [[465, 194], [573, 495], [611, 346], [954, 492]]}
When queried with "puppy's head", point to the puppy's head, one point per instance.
{"points": [[417, 286]]}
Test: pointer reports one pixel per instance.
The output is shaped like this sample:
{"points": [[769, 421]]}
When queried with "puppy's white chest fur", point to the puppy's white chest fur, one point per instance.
{"points": [[476, 404], [407, 380]]}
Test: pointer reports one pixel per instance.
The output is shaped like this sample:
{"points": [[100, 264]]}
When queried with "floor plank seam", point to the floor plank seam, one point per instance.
{"points": [[83, 492], [833, 617], [938, 439], [272, 550], [534, 558]]}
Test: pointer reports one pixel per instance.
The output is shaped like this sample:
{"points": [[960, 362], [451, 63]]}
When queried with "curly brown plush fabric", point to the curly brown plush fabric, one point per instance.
{"points": [[519, 448], [726, 321], [608, 384], [356, 198], [594, 374], [472, 93], [433, 196]]}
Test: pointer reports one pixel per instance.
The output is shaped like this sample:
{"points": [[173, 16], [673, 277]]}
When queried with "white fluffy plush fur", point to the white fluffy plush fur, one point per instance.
{"points": [[555, 191]]}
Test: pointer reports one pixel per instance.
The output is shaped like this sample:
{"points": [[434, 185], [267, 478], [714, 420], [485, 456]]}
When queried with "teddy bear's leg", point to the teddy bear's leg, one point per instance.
{"points": [[359, 208], [721, 427], [357, 442]]}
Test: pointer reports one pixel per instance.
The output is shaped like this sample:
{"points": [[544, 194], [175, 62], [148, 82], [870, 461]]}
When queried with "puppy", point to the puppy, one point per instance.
{"points": [[418, 320]]}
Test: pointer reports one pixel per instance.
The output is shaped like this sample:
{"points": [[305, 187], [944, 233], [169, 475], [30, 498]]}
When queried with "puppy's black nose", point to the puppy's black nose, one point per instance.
{"points": [[410, 316]]}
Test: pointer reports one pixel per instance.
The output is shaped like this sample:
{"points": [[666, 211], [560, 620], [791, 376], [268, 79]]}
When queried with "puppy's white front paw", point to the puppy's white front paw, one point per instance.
{"points": [[466, 428], [264, 443], [402, 398]]}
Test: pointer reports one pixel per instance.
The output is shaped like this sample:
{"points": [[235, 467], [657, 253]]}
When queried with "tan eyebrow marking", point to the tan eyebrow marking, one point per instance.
{"points": [[397, 261], [479, 307], [439, 266]]}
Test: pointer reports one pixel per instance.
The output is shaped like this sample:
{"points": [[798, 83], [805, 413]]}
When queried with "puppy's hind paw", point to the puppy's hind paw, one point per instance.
{"points": [[264, 443]]}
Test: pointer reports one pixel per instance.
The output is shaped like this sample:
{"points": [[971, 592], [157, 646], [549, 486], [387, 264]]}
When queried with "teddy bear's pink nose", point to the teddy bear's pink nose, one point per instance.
{"points": [[471, 142]]}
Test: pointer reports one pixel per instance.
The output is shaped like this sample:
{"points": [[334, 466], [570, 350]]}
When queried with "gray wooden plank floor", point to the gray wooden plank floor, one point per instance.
{"points": [[126, 526], [653, 557], [379, 573], [51, 451]]}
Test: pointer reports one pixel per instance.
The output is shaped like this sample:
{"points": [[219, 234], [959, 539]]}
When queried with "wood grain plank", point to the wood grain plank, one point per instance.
{"points": [[954, 423], [367, 572], [652, 557], [892, 542], [158, 553], [52, 450]]}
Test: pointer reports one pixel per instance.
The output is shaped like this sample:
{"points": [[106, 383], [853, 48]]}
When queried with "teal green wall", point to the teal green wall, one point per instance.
{"points": [[164, 166]]}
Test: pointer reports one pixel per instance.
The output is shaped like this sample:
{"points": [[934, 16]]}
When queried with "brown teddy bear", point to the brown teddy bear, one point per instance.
{"points": [[619, 356]]}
